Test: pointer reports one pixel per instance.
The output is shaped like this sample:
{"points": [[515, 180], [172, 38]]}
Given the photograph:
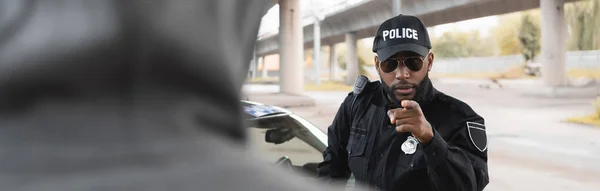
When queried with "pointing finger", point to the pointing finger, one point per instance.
{"points": [[401, 114], [410, 104], [391, 115]]}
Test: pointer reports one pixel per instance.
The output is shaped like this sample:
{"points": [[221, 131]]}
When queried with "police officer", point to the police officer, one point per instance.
{"points": [[401, 133]]}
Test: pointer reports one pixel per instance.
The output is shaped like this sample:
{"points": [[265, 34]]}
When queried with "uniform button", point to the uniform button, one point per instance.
{"points": [[433, 153], [381, 155], [411, 165]]}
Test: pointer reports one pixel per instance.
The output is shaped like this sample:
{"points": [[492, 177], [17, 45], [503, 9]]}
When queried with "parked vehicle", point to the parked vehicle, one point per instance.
{"points": [[284, 138], [287, 139]]}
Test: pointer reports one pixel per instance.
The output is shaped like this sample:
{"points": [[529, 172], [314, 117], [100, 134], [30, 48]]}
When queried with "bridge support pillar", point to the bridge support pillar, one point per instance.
{"points": [[254, 66], [396, 7], [317, 51], [332, 62], [291, 71], [264, 67], [554, 70], [351, 58]]}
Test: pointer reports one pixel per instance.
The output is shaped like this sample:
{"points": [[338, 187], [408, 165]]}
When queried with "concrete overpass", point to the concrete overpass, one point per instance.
{"points": [[362, 20]]}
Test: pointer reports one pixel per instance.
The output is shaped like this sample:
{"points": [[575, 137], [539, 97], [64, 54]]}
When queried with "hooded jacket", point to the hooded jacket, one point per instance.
{"points": [[128, 95]]}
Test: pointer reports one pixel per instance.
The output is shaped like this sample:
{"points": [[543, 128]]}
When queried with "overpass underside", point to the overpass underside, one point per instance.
{"points": [[362, 21]]}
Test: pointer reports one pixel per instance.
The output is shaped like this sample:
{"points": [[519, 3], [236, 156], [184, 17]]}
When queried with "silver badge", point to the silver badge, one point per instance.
{"points": [[410, 145]]}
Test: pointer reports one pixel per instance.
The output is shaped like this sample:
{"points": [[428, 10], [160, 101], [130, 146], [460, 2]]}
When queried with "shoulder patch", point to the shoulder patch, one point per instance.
{"points": [[477, 135]]}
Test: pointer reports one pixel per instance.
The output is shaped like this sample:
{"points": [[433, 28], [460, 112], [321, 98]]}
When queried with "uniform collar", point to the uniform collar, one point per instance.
{"points": [[426, 92]]}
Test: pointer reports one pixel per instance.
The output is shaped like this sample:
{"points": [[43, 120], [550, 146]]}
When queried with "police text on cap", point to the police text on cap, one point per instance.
{"points": [[395, 33]]}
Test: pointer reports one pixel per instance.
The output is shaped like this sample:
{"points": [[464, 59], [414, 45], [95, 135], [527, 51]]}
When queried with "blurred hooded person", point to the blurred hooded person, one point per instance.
{"points": [[128, 95]]}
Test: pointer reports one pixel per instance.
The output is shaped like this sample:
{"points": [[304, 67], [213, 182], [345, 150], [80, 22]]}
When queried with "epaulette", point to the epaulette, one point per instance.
{"points": [[457, 105]]}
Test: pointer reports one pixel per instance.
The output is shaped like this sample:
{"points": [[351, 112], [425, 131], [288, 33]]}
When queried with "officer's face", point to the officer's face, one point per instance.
{"points": [[403, 73]]}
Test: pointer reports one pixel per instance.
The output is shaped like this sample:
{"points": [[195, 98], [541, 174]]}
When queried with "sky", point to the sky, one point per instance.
{"points": [[483, 24], [270, 21]]}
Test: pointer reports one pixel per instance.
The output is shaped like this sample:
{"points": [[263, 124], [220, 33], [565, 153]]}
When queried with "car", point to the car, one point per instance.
{"points": [[288, 140]]}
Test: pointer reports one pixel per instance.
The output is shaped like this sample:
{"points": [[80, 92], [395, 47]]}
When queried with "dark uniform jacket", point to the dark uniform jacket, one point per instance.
{"points": [[363, 142]]}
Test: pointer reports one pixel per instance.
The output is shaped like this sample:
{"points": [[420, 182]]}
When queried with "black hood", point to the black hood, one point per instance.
{"points": [[92, 85], [59, 56]]}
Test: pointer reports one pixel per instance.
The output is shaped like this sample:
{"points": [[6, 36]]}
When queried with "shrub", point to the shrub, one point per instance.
{"points": [[597, 106]]}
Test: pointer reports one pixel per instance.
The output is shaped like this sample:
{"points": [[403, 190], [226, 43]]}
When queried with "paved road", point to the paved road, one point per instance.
{"points": [[529, 147]]}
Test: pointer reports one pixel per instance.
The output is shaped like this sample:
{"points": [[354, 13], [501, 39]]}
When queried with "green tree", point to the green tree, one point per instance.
{"points": [[341, 60], [450, 45], [362, 61], [361, 66], [476, 45], [583, 18], [529, 36], [365, 59], [505, 35], [461, 44]]}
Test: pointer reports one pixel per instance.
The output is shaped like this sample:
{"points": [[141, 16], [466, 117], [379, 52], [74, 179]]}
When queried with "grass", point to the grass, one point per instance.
{"points": [[587, 120], [268, 80], [327, 86], [590, 73], [591, 119]]}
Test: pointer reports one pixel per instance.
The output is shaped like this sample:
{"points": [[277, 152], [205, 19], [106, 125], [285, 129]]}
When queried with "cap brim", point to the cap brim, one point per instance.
{"points": [[386, 52]]}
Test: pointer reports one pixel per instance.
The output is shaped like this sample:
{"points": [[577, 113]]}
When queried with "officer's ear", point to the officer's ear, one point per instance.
{"points": [[430, 58]]}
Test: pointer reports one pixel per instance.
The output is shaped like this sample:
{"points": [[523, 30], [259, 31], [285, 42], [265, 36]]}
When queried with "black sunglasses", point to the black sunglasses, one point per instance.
{"points": [[412, 63]]}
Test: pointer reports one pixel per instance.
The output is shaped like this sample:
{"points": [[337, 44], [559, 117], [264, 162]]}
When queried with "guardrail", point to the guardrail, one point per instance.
{"points": [[574, 60], [589, 60]]}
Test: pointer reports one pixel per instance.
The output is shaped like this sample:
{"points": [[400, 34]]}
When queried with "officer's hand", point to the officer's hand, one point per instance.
{"points": [[410, 118]]}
